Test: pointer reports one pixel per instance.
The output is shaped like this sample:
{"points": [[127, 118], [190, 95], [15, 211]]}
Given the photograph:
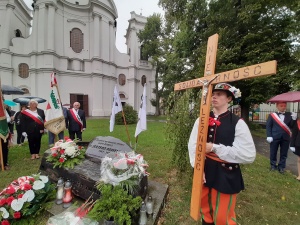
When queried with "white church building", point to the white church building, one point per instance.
{"points": [[75, 39]]}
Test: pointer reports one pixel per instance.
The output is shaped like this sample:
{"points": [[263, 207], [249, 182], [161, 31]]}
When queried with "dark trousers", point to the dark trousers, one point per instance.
{"points": [[72, 135], [284, 146], [34, 141], [4, 151], [20, 137]]}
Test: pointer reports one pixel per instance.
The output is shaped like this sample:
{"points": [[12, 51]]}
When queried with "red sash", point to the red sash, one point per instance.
{"points": [[298, 123], [34, 116], [281, 123], [76, 118]]}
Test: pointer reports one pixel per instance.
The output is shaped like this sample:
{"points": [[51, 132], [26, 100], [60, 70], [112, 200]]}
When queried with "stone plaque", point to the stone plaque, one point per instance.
{"points": [[100, 146]]}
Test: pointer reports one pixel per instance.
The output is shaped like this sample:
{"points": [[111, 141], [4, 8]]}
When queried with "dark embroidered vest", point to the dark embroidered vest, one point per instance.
{"points": [[224, 177]]}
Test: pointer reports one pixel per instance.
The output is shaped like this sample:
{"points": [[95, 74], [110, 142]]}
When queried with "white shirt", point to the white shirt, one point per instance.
{"points": [[242, 149]]}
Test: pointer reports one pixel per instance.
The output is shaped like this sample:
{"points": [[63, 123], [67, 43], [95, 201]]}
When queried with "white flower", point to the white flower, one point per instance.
{"points": [[67, 144], [70, 151], [28, 196], [5, 214], [45, 179], [17, 204], [37, 185]]}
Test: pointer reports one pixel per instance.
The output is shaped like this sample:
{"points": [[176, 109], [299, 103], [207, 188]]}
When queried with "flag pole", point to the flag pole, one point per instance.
{"points": [[1, 157], [136, 141], [126, 128]]}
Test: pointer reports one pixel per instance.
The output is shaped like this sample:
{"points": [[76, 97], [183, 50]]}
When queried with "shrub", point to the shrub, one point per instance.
{"points": [[130, 116]]}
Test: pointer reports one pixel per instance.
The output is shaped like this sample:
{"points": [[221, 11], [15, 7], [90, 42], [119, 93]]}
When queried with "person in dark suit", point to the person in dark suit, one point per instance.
{"points": [[295, 143], [17, 119], [5, 144], [32, 125], [76, 122], [279, 134]]}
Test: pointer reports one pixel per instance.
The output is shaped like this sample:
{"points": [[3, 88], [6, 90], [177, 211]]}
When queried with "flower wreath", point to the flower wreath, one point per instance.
{"points": [[25, 197], [66, 153]]}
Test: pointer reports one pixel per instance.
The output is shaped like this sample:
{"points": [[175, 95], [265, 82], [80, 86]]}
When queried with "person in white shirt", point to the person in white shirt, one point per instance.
{"points": [[229, 144]]}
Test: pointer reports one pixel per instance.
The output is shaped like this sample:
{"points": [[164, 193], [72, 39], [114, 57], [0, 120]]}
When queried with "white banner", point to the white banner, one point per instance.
{"points": [[142, 119], [116, 107]]}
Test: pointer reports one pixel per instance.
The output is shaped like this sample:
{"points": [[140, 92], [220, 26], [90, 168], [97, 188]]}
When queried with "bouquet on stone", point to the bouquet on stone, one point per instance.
{"points": [[66, 153], [25, 198], [125, 169]]}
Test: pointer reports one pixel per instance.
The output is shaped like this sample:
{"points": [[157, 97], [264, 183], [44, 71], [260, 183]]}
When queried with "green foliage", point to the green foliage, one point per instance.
{"points": [[182, 113], [131, 116], [115, 204]]}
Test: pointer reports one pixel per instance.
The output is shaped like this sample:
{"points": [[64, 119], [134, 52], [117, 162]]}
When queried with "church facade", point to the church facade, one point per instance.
{"points": [[76, 40]]}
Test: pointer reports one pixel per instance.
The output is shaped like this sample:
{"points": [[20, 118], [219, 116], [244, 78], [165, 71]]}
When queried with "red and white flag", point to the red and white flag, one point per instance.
{"points": [[53, 79], [142, 118], [54, 116], [116, 107]]}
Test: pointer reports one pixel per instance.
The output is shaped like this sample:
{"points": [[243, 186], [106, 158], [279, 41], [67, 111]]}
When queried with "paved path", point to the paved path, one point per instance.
{"points": [[263, 148]]}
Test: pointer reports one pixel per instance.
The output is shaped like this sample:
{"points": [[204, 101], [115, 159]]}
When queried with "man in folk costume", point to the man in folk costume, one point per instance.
{"points": [[229, 144], [76, 122], [279, 134], [32, 126]]}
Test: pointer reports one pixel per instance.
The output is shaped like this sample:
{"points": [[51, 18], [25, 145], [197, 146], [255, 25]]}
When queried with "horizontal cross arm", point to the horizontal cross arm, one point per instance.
{"points": [[248, 72]]}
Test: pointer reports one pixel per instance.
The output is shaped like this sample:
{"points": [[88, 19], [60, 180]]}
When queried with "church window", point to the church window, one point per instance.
{"points": [[122, 79], [76, 40], [122, 96], [18, 33], [23, 70], [144, 80]]}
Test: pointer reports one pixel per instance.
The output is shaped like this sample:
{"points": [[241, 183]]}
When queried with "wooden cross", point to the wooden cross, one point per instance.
{"points": [[210, 78]]}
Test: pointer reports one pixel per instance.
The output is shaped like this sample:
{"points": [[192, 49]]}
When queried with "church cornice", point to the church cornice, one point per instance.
{"points": [[2, 68], [77, 21]]}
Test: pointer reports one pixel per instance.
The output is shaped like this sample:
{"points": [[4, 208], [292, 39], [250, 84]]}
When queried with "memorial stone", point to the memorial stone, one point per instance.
{"points": [[100, 146]]}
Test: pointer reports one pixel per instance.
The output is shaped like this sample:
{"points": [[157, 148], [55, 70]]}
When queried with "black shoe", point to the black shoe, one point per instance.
{"points": [[272, 169], [281, 171]]}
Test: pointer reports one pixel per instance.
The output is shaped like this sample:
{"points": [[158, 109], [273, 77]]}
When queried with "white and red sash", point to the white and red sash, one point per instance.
{"points": [[77, 118], [281, 123], [33, 115]]}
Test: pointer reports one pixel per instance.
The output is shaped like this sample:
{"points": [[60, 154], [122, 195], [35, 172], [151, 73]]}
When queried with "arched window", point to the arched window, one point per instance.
{"points": [[26, 91], [143, 57], [122, 96], [76, 40], [18, 33], [122, 79], [144, 80], [23, 70]]}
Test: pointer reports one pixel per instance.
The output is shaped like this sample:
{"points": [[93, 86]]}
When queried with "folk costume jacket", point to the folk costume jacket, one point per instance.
{"points": [[32, 124], [76, 124], [233, 145], [276, 130]]}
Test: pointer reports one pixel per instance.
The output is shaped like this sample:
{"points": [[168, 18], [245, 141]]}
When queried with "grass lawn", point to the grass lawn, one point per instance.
{"points": [[269, 198]]}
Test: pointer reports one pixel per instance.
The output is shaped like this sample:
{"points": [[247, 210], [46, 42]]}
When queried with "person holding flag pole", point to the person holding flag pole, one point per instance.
{"points": [[117, 107], [4, 134], [142, 117], [54, 114]]}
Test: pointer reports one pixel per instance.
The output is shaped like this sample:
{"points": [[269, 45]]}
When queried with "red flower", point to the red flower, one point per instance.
{"points": [[66, 138], [54, 155], [130, 162], [17, 215], [79, 147], [10, 190], [2, 202], [5, 222], [9, 200], [61, 160], [27, 187], [31, 179], [62, 151], [20, 195]]}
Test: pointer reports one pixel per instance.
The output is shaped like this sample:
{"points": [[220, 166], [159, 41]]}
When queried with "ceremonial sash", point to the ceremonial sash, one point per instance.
{"points": [[281, 123], [298, 123], [77, 118], [33, 115]]}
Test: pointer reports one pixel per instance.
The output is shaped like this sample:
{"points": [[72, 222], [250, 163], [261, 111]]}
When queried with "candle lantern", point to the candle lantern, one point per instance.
{"points": [[149, 205], [143, 215], [67, 199], [60, 191]]}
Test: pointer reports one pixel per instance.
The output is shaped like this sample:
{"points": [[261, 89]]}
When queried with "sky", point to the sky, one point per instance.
{"points": [[124, 7]]}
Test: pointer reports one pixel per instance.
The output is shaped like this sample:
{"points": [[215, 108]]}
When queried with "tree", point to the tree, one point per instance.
{"points": [[250, 32], [151, 38]]}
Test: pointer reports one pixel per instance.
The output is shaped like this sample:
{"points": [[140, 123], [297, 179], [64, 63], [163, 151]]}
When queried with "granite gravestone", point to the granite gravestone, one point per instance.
{"points": [[85, 175], [100, 146]]}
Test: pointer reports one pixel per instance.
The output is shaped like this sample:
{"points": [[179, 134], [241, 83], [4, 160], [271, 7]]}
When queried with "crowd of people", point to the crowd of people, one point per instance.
{"points": [[29, 123]]}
